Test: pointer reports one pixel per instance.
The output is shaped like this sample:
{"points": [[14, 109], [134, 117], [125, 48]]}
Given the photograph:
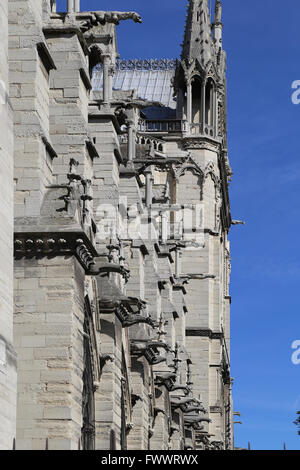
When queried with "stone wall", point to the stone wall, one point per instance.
{"points": [[49, 316], [8, 365]]}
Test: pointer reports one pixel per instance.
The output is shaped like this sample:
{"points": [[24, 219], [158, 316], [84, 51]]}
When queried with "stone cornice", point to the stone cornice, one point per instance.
{"points": [[50, 244], [108, 113], [204, 332], [51, 29], [195, 142]]}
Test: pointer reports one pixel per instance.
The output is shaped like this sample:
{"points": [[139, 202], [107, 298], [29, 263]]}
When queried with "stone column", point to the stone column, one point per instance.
{"points": [[111, 71], [215, 111], [164, 227], [77, 5], [106, 80], [189, 101], [131, 141], [70, 6], [149, 181], [203, 105], [178, 263]]}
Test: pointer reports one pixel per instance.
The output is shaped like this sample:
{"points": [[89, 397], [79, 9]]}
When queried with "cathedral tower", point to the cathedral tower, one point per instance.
{"points": [[200, 84]]}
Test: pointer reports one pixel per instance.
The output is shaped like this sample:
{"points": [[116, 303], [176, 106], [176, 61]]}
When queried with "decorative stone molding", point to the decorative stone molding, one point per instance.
{"points": [[147, 64], [190, 143], [188, 164], [37, 244], [204, 332]]}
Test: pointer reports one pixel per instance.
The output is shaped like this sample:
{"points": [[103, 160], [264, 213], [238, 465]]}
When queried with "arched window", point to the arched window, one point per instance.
{"points": [[125, 404], [196, 101], [209, 107], [88, 402]]}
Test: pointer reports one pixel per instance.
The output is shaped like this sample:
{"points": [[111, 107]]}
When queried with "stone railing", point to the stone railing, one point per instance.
{"points": [[196, 129], [175, 125], [163, 126]]}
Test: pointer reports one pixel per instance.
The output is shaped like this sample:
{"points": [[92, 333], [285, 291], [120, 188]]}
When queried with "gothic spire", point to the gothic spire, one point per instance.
{"points": [[197, 38]]}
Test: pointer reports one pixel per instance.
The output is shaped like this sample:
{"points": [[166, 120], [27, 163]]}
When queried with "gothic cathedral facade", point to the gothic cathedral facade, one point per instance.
{"points": [[117, 332]]}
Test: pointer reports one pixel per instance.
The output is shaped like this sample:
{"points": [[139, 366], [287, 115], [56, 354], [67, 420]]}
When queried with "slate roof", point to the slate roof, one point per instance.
{"points": [[151, 78]]}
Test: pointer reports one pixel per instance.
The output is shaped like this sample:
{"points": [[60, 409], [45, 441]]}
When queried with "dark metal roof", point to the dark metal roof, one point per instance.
{"points": [[151, 78]]}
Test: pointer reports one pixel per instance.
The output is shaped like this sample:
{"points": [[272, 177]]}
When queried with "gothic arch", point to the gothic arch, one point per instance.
{"points": [[95, 57], [89, 377], [210, 171], [125, 403], [189, 165]]}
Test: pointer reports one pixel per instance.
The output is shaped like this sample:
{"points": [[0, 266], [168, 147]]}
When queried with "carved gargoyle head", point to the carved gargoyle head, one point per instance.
{"points": [[137, 18]]}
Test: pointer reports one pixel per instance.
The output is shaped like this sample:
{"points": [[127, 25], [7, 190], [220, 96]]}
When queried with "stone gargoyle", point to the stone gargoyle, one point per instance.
{"points": [[196, 408], [163, 377], [185, 388], [196, 419], [97, 18], [131, 320], [116, 16], [177, 402], [158, 360], [109, 268], [142, 346]]}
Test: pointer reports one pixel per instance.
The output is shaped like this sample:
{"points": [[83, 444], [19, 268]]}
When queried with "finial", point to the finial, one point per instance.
{"points": [[218, 12]]}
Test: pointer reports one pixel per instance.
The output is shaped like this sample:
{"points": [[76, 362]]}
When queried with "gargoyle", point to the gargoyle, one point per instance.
{"points": [[158, 344], [217, 445], [185, 388], [196, 419], [151, 354], [177, 402], [135, 398], [195, 408], [163, 377], [238, 222], [159, 410], [102, 17], [158, 360], [104, 358], [116, 16], [109, 268], [131, 320]]}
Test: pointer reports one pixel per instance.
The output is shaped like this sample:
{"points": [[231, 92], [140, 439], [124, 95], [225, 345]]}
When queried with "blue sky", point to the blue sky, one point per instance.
{"points": [[261, 38]]}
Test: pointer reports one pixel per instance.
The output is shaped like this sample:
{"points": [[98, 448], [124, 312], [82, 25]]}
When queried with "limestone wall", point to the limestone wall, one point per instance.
{"points": [[7, 353]]}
